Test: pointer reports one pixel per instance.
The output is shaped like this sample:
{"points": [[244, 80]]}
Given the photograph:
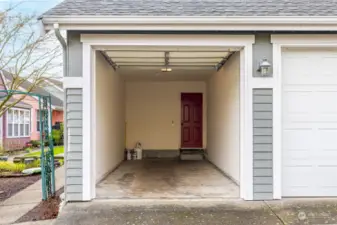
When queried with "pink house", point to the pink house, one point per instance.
{"points": [[20, 124]]}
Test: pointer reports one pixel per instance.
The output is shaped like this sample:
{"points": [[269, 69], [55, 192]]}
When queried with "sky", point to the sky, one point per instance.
{"points": [[36, 7]]}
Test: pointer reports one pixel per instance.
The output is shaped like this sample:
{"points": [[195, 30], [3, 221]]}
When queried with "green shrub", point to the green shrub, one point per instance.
{"points": [[12, 167], [35, 143], [61, 161], [2, 151], [34, 164], [27, 150], [5, 166], [18, 168], [57, 136]]}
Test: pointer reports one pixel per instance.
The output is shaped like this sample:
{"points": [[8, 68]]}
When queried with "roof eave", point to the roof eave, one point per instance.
{"points": [[189, 23], [58, 108]]}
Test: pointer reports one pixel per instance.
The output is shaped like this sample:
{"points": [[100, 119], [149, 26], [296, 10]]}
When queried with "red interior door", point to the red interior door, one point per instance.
{"points": [[191, 120]]}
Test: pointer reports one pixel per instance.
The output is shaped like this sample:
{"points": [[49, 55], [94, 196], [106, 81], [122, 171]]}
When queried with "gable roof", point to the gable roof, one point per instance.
{"points": [[20, 104], [11, 100], [57, 83], [38, 89], [209, 8]]}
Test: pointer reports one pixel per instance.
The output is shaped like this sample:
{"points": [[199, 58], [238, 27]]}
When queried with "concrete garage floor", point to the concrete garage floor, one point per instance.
{"points": [[152, 179]]}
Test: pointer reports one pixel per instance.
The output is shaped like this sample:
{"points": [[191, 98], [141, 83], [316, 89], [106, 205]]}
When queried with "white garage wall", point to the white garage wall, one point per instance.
{"points": [[153, 113], [224, 118], [110, 118]]}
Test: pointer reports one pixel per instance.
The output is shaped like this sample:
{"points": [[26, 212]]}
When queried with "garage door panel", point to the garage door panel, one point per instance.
{"points": [[297, 121], [328, 76], [309, 123], [324, 192], [329, 126], [305, 68], [327, 140], [291, 138], [326, 118], [297, 181], [297, 158], [326, 185], [294, 66], [326, 109], [293, 99], [326, 158]]}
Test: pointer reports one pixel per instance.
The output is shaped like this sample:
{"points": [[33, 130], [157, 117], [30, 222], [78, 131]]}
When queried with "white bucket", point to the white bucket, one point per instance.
{"points": [[139, 151], [128, 155]]}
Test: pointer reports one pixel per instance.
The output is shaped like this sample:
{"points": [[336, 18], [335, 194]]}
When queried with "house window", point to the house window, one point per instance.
{"points": [[18, 123], [38, 120]]}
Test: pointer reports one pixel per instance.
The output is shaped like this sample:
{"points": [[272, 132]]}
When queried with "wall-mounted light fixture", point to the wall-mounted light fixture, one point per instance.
{"points": [[264, 67]]}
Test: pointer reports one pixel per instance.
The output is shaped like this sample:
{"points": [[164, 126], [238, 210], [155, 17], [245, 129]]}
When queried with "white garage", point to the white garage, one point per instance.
{"points": [[285, 121], [309, 122]]}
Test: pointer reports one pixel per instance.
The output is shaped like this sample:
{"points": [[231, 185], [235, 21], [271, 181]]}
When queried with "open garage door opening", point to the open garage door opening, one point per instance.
{"points": [[182, 105]]}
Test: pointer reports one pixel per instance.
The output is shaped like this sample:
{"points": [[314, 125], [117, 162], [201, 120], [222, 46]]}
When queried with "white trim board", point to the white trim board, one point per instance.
{"points": [[280, 42], [93, 42], [246, 123], [72, 82], [87, 123], [191, 19], [192, 23], [162, 40], [304, 40]]}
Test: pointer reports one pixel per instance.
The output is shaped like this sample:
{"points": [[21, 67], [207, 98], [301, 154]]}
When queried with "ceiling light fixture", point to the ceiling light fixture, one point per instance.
{"points": [[167, 62], [166, 69]]}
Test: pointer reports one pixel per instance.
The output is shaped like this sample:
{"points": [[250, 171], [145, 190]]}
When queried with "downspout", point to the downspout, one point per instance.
{"points": [[65, 129], [64, 47]]}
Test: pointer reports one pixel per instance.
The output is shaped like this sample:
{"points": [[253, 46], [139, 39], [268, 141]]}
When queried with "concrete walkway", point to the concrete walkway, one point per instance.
{"points": [[199, 212], [22, 202]]}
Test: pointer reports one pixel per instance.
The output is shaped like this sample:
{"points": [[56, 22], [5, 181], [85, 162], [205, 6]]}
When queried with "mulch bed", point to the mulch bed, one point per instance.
{"points": [[45, 210], [9, 186]]}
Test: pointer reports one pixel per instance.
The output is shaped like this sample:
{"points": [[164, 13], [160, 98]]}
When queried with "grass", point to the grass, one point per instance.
{"points": [[57, 150]]}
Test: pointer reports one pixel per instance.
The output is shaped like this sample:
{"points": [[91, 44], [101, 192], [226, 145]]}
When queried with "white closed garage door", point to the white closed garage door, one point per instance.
{"points": [[309, 119]]}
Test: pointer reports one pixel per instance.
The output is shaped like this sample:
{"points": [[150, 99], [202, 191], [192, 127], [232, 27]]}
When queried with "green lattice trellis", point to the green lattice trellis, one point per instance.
{"points": [[47, 145]]}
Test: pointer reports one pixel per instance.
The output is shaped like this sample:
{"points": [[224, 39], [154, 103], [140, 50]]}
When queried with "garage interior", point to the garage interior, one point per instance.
{"points": [[140, 96]]}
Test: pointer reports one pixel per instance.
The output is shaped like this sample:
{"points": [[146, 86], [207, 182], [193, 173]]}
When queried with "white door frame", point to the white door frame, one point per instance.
{"points": [[280, 42], [92, 42]]}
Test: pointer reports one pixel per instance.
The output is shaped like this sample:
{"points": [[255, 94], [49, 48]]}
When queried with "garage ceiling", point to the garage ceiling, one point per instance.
{"points": [[184, 63]]}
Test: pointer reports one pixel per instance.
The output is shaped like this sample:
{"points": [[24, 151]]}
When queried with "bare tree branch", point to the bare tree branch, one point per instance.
{"points": [[25, 55]]}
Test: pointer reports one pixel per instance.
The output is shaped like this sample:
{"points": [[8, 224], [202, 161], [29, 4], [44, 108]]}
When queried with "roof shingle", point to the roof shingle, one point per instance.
{"points": [[194, 8]]}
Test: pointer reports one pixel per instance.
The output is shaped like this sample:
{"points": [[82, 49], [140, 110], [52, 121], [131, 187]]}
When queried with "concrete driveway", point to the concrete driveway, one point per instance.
{"points": [[199, 212]]}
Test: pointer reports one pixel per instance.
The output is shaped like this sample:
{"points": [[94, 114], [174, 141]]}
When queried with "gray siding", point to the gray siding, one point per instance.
{"points": [[262, 49], [74, 110], [74, 54], [263, 144]]}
